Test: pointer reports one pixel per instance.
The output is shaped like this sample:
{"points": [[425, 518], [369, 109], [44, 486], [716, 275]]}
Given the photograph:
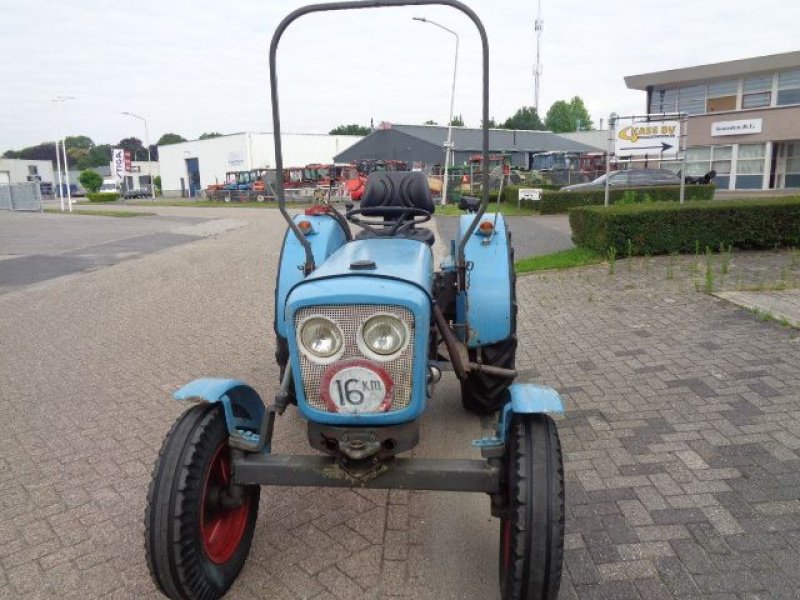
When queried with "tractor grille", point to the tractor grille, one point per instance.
{"points": [[350, 317]]}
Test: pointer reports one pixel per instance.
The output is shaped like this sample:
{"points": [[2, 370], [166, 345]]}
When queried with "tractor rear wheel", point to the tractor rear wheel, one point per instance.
{"points": [[532, 528], [482, 393], [197, 531]]}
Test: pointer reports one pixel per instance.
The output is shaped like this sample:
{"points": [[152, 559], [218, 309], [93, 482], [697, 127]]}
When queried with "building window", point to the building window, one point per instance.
{"points": [[144, 180], [792, 165], [721, 96], [692, 100], [663, 101], [750, 167], [757, 91], [789, 88], [702, 159], [33, 170]]}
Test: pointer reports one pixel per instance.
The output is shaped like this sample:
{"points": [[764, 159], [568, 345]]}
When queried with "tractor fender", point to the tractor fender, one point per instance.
{"points": [[529, 399], [327, 237], [243, 407], [486, 305]]}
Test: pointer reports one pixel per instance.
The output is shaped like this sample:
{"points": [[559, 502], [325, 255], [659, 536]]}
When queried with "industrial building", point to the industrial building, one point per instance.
{"points": [[423, 145], [20, 170], [189, 167], [743, 118]]}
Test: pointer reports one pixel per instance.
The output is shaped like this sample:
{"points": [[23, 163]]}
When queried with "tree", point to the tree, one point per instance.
{"points": [[170, 138], [458, 121], [526, 117], [492, 122], [208, 136], [566, 116], [91, 180], [580, 114], [352, 129], [131, 144], [43, 151], [430, 122]]}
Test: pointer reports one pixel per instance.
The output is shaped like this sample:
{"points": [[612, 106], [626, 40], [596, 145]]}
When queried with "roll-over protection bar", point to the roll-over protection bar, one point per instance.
{"points": [[276, 119]]}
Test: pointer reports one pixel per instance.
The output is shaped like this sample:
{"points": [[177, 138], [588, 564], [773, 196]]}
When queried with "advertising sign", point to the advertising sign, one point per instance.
{"points": [[741, 127], [118, 163], [127, 161], [642, 137]]}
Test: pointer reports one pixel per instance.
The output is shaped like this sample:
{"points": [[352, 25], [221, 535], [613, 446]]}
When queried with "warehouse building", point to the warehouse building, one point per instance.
{"points": [[20, 170], [189, 167], [423, 145], [744, 118]]}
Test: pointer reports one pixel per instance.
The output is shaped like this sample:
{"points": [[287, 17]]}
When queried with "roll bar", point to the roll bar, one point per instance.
{"points": [[276, 119]]}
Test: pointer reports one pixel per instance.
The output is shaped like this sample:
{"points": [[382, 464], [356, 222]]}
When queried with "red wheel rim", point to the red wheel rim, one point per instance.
{"points": [[506, 541], [222, 529]]}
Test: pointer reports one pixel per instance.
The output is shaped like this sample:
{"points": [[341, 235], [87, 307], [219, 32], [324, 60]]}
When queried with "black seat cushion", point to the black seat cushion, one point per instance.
{"points": [[396, 189]]}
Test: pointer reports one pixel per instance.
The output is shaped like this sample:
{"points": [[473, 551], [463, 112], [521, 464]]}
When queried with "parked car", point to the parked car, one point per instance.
{"points": [[629, 178], [109, 187], [143, 192]]}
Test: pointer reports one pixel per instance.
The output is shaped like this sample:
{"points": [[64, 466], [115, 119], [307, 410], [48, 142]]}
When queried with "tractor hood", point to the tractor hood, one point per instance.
{"points": [[387, 258]]}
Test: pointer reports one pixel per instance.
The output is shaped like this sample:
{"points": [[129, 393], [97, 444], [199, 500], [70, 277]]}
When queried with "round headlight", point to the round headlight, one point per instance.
{"points": [[321, 337], [384, 334]]}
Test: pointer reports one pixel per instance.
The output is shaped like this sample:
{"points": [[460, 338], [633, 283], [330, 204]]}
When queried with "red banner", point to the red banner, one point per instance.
{"points": [[127, 161]]}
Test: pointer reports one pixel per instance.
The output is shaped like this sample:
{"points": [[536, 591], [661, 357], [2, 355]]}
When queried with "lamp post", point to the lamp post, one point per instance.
{"points": [[147, 143], [449, 142], [58, 160]]}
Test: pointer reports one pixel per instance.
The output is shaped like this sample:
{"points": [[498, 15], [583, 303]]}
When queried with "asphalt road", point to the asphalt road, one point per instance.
{"points": [[37, 247]]}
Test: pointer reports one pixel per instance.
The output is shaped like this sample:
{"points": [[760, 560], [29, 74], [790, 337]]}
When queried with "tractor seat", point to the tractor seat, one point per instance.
{"points": [[397, 189]]}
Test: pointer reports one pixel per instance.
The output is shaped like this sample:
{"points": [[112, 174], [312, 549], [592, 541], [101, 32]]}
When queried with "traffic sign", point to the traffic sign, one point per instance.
{"points": [[641, 137]]}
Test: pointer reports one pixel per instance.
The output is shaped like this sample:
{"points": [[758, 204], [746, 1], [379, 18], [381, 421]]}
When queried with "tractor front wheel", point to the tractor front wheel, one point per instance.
{"points": [[532, 527], [198, 527]]}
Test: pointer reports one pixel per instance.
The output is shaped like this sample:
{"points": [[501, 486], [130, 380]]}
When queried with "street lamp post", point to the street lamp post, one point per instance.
{"points": [[449, 142], [147, 143], [58, 160]]}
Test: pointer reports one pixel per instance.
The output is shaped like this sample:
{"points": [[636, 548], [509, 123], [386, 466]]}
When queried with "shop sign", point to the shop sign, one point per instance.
{"points": [[740, 127]]}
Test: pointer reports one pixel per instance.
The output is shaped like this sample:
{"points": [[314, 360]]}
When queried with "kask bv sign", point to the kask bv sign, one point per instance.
{"points": [[652, 138]]}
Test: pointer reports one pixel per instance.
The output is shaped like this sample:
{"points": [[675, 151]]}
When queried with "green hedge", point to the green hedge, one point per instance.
{"points": [[103, 197], [666, 227], [561, 202]]}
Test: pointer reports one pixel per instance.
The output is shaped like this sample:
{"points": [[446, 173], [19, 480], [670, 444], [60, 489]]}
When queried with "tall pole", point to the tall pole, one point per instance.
{"points": [[537, 69], [55, 100], [66, 173], [147, 143], [60, 182], [449, 143]]}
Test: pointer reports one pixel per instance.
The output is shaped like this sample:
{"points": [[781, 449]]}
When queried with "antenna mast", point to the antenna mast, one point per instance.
{"points": [[537, 69]]}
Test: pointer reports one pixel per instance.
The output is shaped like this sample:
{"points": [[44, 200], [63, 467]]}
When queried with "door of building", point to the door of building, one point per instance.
{"points": [[193, 172]]}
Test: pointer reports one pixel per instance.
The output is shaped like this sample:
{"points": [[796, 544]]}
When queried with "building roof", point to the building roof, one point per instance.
{"points": [[500, 140], [731, 68]]}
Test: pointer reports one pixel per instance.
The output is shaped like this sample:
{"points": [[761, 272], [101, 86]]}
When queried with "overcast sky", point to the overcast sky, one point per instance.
{"points": [[191, 66]]}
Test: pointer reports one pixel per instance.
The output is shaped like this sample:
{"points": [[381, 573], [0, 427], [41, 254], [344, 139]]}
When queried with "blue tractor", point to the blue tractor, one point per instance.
{"points": [[364, 327]]}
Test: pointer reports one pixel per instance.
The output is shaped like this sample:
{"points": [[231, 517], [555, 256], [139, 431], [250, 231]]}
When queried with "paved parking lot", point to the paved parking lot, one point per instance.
{"points": [[681, 438]]}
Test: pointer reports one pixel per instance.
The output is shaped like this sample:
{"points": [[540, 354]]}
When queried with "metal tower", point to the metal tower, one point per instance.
{"points": [[537, 69]]}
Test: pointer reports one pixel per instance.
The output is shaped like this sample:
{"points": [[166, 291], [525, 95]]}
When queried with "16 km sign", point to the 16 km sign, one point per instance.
{"points": [[653, 138]]}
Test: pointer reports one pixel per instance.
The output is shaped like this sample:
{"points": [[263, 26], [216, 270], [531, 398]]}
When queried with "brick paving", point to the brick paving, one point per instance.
{"points": [[681, 438]]}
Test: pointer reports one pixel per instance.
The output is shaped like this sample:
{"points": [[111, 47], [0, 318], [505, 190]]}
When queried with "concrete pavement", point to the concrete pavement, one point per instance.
{"points": [[681, 438]]}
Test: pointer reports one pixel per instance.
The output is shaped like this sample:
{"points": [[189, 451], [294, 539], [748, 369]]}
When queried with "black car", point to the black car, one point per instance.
{"points": [[629, 178]]}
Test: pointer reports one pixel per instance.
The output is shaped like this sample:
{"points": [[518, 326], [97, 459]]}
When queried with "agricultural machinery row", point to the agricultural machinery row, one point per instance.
{"points": [[313, 181]]}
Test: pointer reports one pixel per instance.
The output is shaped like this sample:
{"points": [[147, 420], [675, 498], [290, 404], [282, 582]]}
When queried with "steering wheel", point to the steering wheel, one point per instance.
{"points": [[399, 225]]}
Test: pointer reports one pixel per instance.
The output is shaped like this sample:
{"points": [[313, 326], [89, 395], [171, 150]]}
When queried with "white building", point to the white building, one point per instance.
{"points": [[20, 170], [139, 175], [189, 167]]}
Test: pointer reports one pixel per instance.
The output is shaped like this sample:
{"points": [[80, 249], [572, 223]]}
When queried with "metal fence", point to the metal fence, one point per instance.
{"points": [[21, 196]]}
